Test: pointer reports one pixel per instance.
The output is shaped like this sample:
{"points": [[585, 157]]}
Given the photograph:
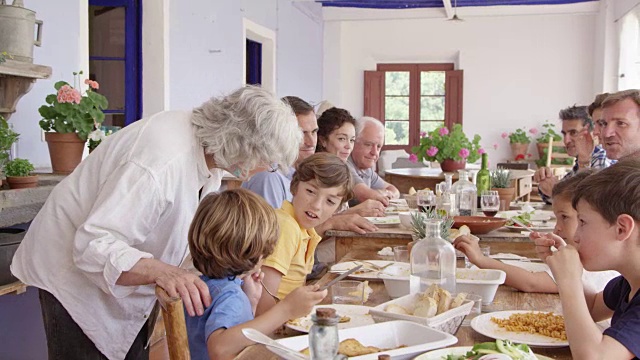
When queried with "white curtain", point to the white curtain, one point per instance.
{"points": [[629, 61]]}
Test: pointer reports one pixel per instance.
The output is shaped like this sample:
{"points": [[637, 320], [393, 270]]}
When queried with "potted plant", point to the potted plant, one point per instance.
{"points": [[452, 149], [19, 174], [68, 119], [519, 141], [501, 182], [7, 138], [542, 142]]}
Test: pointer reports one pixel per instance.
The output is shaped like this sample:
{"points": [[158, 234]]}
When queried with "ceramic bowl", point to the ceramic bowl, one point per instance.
{"points": [[479, 224]]}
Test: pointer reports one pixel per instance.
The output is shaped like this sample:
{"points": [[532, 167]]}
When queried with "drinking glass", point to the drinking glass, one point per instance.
{"points": [[486, 251], [475, 310], [401, 254], [490, 203], [426, 200], [348, 292]]}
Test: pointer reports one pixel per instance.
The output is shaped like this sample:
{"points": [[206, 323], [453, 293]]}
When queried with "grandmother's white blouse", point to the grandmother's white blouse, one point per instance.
{"points": [[134, 197]]}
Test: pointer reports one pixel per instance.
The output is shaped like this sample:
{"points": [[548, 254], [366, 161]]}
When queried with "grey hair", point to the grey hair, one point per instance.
{"points": [[248, 128], [363, 121], [577, 113]]}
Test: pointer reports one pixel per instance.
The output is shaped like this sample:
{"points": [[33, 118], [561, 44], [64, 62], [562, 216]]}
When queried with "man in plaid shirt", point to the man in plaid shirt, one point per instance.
{"points": [[577, 131]]}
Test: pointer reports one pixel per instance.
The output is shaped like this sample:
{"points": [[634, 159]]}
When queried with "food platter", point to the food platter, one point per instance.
{"points": [[457, 350], [483, 325], [535, 227], [384, 221], [350, 316], [369, 271]]}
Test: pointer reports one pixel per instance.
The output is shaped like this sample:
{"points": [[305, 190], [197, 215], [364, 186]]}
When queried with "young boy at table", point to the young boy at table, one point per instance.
{"points": [[566, 225], [230, 235], [607, 238], [321, 184]]}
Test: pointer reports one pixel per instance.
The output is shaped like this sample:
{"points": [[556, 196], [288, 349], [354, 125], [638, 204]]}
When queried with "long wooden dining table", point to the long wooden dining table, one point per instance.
{"points": [[507, 298]]}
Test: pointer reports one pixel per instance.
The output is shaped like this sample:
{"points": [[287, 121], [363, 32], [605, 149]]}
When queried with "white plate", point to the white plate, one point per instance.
{"points": [[416, 339], [395, 210], [386, 221], [358, 316], [486, 327], [538, 215], [458, 350], [364, 273], [545, 228]]}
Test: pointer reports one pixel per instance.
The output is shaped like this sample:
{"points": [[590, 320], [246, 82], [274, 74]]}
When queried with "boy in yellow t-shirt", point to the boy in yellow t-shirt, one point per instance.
{"points": [[320, 185]]}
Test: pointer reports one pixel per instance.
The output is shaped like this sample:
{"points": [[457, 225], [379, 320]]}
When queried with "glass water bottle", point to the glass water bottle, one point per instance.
{"points": [[323, 335], [433, 261], [466, 194]]}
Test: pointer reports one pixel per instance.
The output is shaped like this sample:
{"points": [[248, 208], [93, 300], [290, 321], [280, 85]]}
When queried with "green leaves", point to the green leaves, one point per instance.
{"points": [[448, 145], [18, 167]]}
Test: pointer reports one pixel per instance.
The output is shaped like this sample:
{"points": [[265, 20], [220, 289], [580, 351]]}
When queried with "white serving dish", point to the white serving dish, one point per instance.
{"points": [[415, 337], [396, 279], [483, 282], [405, 218], [448, 321]]}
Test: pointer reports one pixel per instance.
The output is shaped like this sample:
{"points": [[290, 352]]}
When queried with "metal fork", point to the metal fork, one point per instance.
{"points": [[269, 292]]}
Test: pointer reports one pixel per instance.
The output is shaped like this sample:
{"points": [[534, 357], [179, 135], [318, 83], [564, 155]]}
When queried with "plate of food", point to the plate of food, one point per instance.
{"points": [[369, 271], [384, 221], [350, 316], [534, 328], [395, 209], [473, 352], [535, 215], [548, 227]]}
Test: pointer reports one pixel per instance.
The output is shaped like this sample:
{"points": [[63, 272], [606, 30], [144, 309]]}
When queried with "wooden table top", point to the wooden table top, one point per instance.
{"points": [[506, 298], [501, 234], [436, 173]]}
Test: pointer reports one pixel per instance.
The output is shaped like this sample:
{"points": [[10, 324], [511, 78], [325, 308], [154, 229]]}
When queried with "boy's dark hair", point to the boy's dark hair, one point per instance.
{"points": [[597, 103], [327, 170], [577, 113], [299, 106], [330, 120], [230, 232], [613, 191], [567, 186]]}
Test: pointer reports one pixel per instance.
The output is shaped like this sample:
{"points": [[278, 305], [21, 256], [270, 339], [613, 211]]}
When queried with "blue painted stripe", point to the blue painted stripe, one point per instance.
{"points": [[400, 4]]}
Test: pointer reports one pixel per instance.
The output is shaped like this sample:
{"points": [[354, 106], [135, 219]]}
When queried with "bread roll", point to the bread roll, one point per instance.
{"points": [[427, 308], [444, 302], [458, 300], [396, 309]]}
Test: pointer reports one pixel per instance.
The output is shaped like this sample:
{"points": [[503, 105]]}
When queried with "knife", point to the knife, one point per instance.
{"points": [[340, 277]]}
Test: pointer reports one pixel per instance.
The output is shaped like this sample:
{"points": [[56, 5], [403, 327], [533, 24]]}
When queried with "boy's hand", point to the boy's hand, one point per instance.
{"points": [[252, 287], [301, 300], [544, 242], [469, 247], [565, 265]]}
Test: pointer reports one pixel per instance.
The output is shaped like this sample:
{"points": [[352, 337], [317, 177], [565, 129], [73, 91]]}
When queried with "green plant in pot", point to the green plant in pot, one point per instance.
{"points": [[449, 148], [501, 182], [7, 138], [19, 175], [68, 118]]}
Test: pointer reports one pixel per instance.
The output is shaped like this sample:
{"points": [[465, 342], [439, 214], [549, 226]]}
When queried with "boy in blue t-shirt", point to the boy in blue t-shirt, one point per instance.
{"points": [[607, 238], [231, 233]]}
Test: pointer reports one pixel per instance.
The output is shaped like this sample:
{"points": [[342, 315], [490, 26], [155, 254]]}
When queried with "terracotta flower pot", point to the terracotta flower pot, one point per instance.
{"points": [[506, 196], [65, 151], [22, 182], [519, 149], [450, 165]]}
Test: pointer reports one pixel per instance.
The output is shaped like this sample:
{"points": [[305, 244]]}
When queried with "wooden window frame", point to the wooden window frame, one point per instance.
{"points": [[374, 99]]}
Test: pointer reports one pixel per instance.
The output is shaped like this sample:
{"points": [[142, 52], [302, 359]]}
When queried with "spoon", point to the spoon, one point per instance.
{"points": [[257, 336]]}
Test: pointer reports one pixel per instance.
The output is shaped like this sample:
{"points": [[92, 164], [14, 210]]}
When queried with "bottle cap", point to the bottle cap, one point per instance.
{"points": [[384, 357], [325, 313]]}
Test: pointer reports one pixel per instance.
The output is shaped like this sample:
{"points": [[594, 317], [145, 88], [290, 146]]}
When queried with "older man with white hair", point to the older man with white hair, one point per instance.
{"points": [[365, 154]]}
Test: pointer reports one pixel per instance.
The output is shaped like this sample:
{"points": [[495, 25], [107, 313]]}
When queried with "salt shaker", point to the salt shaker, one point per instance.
{"points": [[323, 335]]}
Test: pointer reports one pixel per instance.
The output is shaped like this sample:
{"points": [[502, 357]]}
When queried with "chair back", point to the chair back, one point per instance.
{"points": [[558, 170], [175, 326]]}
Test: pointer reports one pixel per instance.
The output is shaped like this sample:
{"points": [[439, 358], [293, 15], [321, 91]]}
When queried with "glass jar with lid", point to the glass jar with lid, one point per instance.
{"points": [[323, 335]]}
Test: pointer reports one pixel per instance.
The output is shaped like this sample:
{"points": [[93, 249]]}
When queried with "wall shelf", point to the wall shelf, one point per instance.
{"points": [[16, 79]]}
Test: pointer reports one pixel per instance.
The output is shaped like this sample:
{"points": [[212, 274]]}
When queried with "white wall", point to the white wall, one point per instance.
{"points": [[519, 70], [191, 51]]}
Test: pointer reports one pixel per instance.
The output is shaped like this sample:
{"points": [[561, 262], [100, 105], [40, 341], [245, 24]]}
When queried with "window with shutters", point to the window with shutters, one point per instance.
{"points": [[413, 98]]}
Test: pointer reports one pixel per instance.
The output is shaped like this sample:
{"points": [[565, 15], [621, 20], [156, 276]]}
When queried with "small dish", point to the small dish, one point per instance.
{"points": [[386, 221]]}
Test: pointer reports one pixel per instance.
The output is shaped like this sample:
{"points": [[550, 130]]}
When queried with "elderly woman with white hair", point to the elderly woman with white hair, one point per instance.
{"points": [[117, 226]]}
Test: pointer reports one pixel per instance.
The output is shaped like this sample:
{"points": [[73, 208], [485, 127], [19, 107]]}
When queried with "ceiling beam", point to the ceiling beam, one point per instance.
{"points": [[448, 8]]}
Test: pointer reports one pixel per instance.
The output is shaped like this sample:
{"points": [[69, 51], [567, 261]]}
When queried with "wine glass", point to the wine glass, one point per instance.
{"points": [[490, 203], [426, 200]]}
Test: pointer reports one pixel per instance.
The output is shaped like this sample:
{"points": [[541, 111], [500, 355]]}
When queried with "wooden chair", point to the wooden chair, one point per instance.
{"points": [[558, 170], [175, 326]]}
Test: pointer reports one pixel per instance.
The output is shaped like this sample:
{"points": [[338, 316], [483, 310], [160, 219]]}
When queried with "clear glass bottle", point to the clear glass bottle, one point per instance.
{"points": [[466, 194], [483, 179], [323, 335], [433, 261]]}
